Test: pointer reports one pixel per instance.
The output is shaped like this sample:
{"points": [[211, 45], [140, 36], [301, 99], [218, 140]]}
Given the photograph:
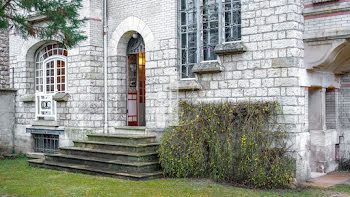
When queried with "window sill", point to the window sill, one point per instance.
{"points": [[45, 123], [207, 67], [230, 48], [29, 98], [61, 97], [187, 85]]}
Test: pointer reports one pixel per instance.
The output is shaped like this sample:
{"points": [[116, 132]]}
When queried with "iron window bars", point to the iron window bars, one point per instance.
{"points": [[203, 25], [46, 143]]}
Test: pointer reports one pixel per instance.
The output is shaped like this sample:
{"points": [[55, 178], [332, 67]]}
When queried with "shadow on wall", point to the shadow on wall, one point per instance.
{"points": [[7, 120]]}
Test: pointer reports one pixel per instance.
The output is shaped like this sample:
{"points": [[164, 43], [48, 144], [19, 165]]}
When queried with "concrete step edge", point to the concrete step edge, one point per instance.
{"points": [[131, 154], [123, 136], [118, 144], [82, 167], [130, 128], [107, 161]]}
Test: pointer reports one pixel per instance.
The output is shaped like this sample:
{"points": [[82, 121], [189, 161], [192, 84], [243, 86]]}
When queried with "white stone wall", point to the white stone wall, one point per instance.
{"points": [[272, 31], [156, 22], [326, 30], [270, 70], [4, 60], [326, 19], [83, 112]]}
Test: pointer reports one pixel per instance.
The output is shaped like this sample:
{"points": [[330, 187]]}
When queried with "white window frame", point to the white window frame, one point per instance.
{"points": [[44, 97], [54, 58]]}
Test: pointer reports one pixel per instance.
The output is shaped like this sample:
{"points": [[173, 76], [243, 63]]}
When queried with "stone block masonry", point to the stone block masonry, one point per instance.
{"points": [[4, 60], [269, 70], [7, 118]]}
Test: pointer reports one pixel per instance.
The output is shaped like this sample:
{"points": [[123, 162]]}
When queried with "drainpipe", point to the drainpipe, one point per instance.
{"points": [[105, 62]]}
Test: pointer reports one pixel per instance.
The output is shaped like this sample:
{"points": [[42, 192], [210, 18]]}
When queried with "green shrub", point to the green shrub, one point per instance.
{"points": [[239, 143], [344, 164]]}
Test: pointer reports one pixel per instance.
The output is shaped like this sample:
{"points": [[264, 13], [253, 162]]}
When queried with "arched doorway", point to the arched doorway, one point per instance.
{"points": [[136, 78]]}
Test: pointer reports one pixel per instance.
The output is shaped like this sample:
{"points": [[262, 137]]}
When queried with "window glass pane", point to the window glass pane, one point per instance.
{"points": [[232, 13], [183, 41], [210, 28]]}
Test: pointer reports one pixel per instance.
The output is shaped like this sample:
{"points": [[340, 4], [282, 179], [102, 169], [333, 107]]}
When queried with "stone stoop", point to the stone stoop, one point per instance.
{"points": [[130, 130], [132, 157]]}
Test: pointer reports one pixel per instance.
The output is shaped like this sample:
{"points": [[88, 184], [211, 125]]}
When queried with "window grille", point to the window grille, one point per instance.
{"points": [[203, 25], [46, 143]]}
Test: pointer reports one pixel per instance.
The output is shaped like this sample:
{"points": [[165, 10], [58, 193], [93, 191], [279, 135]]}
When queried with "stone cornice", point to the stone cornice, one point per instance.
{"points": [[329, 9], [327, 35]]}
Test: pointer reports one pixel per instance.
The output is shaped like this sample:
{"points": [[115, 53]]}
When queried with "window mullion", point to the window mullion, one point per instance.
{"points": [[187, 51], [55, 76], [232, 19], [44, 77], [199, 29], [209, 28], [220, 25], [65, 75]]}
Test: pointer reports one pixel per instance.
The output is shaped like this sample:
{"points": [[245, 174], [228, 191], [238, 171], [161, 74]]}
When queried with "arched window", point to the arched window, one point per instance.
{"points": [[50, 78], [50, 69]]}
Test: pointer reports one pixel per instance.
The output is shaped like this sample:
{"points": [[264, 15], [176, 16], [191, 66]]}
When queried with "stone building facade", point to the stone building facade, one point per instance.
{"points": [[293, 52], [4, 60]]}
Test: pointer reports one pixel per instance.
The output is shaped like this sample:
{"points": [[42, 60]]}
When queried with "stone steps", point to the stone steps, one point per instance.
{"points": [[107, 154], [126, 139], [140, 148], [130, 130], [117, 165], [132, 157], [94, 171]]}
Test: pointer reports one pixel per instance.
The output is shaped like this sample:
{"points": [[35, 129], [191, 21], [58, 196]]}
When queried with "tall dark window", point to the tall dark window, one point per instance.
{"points": [[189, 44], [204, 24], [232, 14]]}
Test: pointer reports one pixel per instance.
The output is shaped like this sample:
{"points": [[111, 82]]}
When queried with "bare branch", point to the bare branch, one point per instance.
{"points": [[6, 4]]}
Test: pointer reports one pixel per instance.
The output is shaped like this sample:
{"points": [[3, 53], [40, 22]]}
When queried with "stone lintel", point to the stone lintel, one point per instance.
{"points": [[187, 85], [61, 97], [207, 67], [45, 130], [230, 48]]}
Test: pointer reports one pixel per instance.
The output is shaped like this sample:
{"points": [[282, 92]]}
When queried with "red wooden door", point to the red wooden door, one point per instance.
{"points": [[132, 115], [136, 99]]}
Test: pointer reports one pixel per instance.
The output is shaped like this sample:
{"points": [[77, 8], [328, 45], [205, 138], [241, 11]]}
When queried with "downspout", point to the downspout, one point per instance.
{"points": [[105, 62]]}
